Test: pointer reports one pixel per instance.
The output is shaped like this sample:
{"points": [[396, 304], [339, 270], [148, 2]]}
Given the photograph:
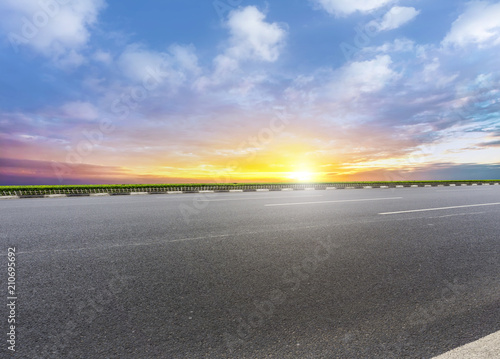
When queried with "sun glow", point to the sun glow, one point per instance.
{"points": [[302, 176]]}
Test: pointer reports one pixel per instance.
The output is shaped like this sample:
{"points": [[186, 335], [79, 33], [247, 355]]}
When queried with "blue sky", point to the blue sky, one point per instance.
{"points": [[102, 91]]}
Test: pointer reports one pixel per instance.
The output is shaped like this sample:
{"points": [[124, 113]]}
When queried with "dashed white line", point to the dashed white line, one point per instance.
{"points": [[245, 199], [442, 208], [459, 214], [338, 201], [462, 190]]}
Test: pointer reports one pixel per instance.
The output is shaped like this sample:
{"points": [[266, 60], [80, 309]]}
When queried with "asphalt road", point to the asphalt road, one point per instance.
{"points": [[372, 273]]}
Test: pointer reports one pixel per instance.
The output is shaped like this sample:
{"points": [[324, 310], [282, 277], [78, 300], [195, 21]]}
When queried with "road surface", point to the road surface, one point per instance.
{"points": [[372, 273]]}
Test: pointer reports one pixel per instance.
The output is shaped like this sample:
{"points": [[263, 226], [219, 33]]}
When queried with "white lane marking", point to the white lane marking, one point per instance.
{"points": [[138, 193], [442, 208], [484, 348], [338, 201], [9, 197], [240, 195], [463, 190], [244, 199], [126, 245], [166, 241], [459, 214]]}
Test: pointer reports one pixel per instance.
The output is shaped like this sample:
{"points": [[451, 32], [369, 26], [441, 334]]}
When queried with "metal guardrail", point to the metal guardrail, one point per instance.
{"points": [[244, 187]]}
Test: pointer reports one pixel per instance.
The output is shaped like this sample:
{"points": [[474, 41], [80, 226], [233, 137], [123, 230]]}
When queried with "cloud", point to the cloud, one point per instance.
{"points": [[40, 172], [397, 16], [360, 77], [490, 144], [479, 25], [56, 30], [348, 7], [136, 62], [79, 110], [103, 56], [398, 45], [173, 66], [432, 172], [252, 37]]}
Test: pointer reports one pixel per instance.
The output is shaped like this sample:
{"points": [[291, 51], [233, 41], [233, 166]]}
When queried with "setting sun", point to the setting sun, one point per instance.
{"points": [[302, 176]]}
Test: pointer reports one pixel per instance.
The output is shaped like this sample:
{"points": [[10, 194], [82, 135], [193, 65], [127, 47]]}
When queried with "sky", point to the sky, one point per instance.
{"points": [[175, 91]]}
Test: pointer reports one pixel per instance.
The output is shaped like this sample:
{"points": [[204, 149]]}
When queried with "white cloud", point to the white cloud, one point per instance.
{"points": [[335, 91], [136, 62], [224, 65], [479, 24], [53, 28], [433, 74], [173, 67], [185, 58], [252, 37], [79, 111], [398, 45], [103, 56], [397, 16], [347, 7], [364, 76]]}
